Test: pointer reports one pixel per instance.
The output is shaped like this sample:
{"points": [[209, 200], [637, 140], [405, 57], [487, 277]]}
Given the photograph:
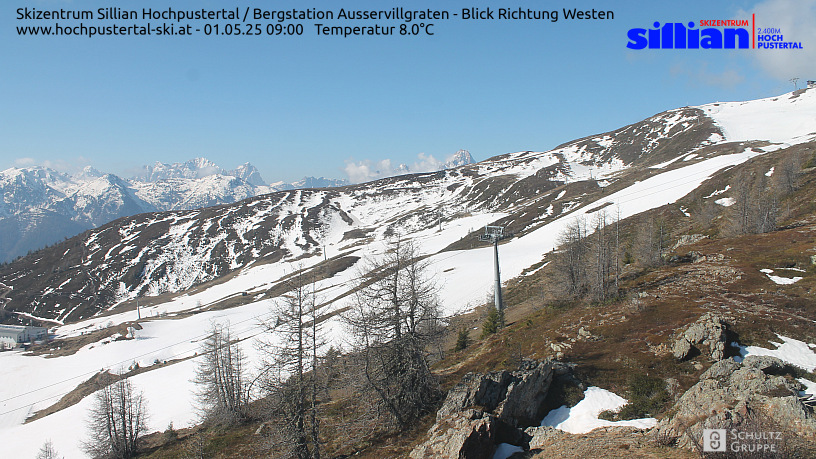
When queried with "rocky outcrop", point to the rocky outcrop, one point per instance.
{"points": [[754, 395], [707, 336], [517, 397], [612, 442], [688, 239], [484, 410], [471, 434]]}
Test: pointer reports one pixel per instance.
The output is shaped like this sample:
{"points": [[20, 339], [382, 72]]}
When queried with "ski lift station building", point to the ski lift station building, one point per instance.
{"points": [[12, 336]]}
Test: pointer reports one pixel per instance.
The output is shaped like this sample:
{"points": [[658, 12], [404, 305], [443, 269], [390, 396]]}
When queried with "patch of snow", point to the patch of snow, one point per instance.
{"points": [[690, 157], [715, 138], [779, 280], [776, 146], [561, 195], [770, 172], [64, 283], [662, 165], [605, 141], [715, 193], [784, 280], [583, 417], [506, 450], [810, 388], [789, 350], [39, 319], [725, 202]]}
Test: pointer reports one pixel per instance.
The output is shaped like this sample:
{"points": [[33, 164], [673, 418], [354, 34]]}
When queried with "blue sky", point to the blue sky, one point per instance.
{"points": [[325, 106]]}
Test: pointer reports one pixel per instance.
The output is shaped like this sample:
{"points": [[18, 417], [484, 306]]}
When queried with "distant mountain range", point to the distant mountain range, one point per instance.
{"points": [[41, 206]]}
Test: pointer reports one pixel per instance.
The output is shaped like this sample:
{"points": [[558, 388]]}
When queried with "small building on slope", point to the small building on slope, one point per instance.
{"points": [[12, 336]]}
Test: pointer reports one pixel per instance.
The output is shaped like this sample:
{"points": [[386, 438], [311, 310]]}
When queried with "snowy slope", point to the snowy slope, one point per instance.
{"points": [[789, 118], [261, 240]]}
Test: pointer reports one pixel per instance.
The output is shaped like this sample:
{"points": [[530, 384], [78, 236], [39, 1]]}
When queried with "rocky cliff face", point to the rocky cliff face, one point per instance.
{"points": [[484, 411]]}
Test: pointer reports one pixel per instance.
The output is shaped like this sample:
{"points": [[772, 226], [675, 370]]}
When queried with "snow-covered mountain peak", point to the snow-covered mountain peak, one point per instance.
{"points": [[32, 173], [193, 169], [460, 158], [248, 173], [87, 173]]}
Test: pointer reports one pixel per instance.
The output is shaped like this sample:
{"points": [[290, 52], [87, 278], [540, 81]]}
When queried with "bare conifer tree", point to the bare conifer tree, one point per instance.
{"points": [[223, 389], [291, 376], [117, 421], [789, 172], [765, 197], [572, 259], [756, 204], [740, 210], [604, 246], [651, 242], [395, 319], [47, 451]]}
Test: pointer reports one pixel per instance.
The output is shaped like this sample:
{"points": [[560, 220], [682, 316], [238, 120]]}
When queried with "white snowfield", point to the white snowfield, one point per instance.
{"points": [[583, 417], [465, 278]]}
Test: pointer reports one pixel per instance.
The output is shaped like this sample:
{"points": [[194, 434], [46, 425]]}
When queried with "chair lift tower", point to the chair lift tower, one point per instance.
{"points": [[494, 234]]}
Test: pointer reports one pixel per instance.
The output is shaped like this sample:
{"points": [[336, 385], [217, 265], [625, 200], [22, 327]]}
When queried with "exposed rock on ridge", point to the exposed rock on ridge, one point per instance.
{"points": [[484, 410], [708, 336], [752, 395]]}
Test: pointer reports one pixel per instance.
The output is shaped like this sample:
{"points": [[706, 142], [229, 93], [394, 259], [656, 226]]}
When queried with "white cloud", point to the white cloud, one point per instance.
{"points": [[795, 19], [208, 171], [367, 170], [427, 163]]}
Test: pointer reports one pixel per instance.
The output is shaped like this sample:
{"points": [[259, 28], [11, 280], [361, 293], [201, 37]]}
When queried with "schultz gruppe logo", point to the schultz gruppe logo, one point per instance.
{"points": [[716, 34], [742, 441], [714, 440]]}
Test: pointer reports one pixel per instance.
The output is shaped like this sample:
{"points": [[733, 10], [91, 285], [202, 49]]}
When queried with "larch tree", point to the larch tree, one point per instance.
{"points": [[47, 451], [117, 420], [223, 387], [293, 355], [395, 320]]}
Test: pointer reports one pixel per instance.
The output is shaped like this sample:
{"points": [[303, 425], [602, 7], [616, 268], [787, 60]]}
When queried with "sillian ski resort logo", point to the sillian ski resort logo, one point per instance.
{"points": [[710, 34]]}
